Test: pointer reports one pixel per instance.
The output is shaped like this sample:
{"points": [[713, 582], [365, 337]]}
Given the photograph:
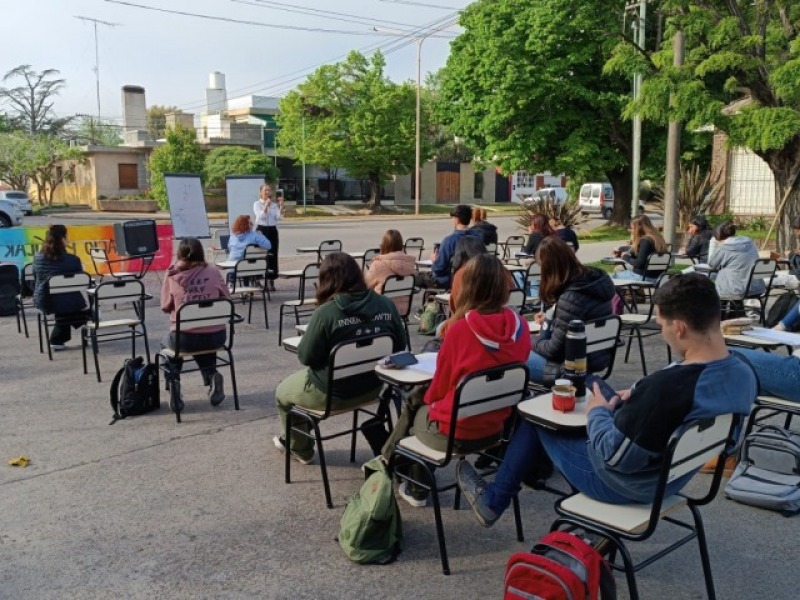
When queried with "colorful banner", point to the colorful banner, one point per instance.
{"points": [[19, 245]]}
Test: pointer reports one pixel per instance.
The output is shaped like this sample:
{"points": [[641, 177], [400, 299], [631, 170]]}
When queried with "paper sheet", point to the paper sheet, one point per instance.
{"points": [[426, 363], [784, 337]]}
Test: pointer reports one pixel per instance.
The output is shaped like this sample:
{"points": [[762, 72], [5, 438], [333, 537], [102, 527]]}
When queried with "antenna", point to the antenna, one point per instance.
{"points": [[97, 22]]}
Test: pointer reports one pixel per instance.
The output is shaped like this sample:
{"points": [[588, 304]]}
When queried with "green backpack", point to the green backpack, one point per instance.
{"points": [[371, 531], [429, 318]]}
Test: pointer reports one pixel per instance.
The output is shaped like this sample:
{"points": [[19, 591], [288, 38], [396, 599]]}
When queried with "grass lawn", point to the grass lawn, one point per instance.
{"points": [[444, 209], [605, 233]]}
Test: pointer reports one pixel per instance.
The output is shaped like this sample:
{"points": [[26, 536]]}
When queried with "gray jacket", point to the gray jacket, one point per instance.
{"points": [[734, 260]]}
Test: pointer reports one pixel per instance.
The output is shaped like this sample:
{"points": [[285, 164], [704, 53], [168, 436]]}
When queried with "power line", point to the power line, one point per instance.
{"points": [[242, 21], [336, 16], [436, 6]]}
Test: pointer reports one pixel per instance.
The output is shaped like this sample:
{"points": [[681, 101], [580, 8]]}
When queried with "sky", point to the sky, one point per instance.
{"points": [[171, 55]]}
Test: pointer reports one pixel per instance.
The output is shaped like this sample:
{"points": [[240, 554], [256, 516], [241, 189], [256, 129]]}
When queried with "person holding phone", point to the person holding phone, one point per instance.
{"points": [[618, 459], [267, 214]]}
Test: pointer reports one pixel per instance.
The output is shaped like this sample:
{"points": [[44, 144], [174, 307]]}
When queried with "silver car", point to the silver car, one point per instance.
{"points": [[21, 198], [10, 214]]}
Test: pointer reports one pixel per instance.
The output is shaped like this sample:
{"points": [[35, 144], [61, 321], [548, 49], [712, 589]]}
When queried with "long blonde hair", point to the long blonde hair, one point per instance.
{"points": [[643, 227]]}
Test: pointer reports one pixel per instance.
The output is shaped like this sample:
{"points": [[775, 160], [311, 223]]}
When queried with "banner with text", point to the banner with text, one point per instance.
{"points": [[18, 245]]}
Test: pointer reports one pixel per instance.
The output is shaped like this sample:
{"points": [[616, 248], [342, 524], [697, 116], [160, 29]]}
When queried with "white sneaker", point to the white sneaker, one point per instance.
{"points": [[280, 445], [58, 347], [406, 495]]}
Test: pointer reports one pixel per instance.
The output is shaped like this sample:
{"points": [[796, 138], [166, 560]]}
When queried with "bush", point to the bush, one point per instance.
{"points": [[236, 160], [181, 154], [568, 213]]}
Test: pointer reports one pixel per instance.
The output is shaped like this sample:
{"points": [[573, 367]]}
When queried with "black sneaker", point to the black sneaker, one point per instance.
{"points": [[216, 393], [175, 397], [473, 487]]}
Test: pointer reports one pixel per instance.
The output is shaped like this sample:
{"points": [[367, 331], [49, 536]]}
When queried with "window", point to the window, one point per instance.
{"points": [[128, 176]]}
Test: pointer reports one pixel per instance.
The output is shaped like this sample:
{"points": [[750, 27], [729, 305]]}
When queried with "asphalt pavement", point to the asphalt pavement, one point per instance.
{"points": [[148, 508]]}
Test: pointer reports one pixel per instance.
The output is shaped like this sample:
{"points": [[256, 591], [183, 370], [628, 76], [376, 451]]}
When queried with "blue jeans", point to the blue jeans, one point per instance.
{"points": [[536, 364], [630, 275], [569, 454], [778, 375], [792, 318]]}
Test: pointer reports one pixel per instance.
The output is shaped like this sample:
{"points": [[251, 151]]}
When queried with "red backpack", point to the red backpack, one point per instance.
{"points": [[560, 566]]}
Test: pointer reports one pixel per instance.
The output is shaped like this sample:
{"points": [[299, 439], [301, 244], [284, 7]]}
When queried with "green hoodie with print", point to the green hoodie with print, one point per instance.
{"points": [[348, 316]]}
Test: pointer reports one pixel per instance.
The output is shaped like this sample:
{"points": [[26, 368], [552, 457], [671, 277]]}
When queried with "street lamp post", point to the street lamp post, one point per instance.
{"points": [[418, 39]]}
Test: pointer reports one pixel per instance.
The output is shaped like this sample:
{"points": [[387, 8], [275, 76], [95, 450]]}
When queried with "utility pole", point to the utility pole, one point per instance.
{"points": [[97, 22], [673, 177], [638, 27]]}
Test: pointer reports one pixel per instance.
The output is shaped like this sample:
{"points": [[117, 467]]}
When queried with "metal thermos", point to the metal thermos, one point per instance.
{"points": [[575, 358]]}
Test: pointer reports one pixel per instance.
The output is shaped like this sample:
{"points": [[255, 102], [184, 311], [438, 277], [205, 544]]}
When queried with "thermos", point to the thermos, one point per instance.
{"points": [[575, 358]]}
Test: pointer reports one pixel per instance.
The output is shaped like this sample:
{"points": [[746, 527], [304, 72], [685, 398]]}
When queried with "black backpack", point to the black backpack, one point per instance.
{"points": [[134, 390], [780, 308], [9, 288]]}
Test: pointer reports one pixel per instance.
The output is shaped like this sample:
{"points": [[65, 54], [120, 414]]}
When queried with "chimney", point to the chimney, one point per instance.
{"points": [[134, 112], [216, 97]]}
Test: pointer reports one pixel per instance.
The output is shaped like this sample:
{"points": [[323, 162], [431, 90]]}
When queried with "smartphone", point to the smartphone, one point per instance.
{"points": [[605, 389], [400, 360]]}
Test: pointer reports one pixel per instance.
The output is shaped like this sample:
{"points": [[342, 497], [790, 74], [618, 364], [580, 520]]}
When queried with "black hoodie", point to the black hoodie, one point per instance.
{"points": [[585, 298]]}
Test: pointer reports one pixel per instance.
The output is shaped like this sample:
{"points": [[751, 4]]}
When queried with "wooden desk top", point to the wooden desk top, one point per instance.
{"points": [[539, 410]]}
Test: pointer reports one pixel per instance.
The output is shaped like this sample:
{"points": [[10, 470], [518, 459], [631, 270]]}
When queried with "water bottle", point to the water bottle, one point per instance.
{"points": [[575, 358]]}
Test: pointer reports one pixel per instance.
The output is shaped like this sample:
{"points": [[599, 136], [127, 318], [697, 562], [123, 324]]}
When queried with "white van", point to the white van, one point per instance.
{"points": [[597, 197], [557, 195]]}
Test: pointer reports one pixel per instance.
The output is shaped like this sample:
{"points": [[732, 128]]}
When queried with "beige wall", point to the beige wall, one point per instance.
{"points": [[427, 183], [99, 176], [489, 195], [466, 187]]}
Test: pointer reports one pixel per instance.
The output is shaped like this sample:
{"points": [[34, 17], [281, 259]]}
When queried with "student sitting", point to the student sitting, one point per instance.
{"points": [[191, 278], [617, 460], [439, 275], [242, 236], [486, 230], [483, 334], [645, 240], [566, 233], [346, 310], [578, 292], [538, 229], [733, 260], [699, 239], [392, 261]]}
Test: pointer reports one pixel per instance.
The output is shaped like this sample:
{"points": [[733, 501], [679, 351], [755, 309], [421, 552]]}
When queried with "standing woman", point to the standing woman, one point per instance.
{"points": [[268, 213], [69, 310], [189, 279]]}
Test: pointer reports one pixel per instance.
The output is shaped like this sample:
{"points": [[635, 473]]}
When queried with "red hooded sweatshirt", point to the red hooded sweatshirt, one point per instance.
{"points": [[473, 343]]}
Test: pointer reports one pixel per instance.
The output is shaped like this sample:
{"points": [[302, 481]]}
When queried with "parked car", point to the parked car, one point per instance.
{"points": [[597, 197], [21, 198], [10, 214], [557, 195]]}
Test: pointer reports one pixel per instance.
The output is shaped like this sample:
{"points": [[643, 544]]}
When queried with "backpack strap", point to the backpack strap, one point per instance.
{"points": [[115, 395]]}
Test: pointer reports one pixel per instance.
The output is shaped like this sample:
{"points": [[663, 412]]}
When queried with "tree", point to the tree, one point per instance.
{"points": [[736, 51], [55, 162], [181, 154], [99, 132], [32, 99], [17, 159], [236, 160], [350, 115], [157, 120]]}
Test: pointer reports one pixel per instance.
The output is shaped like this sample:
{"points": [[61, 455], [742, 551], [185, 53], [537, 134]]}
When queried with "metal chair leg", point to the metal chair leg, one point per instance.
{"points": [[518, 518], [233, 381], [96, 352], [704, 558]]}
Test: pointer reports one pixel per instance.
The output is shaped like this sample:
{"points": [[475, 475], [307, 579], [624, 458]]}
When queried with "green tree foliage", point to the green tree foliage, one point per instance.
{"points": [[157, 120], [181, 154], [55, 162], [735, 51], [525, 87], [17, 159], [236, 160], [350, 115], [30, 97]]}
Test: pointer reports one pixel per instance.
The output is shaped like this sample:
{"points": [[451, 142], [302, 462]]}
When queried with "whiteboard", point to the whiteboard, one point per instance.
{"points": [[242, 192], [187, 205]]}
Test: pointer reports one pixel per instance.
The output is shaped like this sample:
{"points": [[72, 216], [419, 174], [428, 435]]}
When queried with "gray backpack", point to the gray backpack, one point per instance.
{"points": [[768, 473]]}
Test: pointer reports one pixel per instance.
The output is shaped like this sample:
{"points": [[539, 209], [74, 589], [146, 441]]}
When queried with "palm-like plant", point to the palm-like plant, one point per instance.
{"points": [[697, 192], [567, 213]]}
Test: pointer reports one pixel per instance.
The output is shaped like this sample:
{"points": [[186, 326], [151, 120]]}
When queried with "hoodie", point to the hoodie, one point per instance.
{"points": [[478, 341], [584, 298], [386, 265], [733, 259], [487, 231], [346, 317], [203, 282]]}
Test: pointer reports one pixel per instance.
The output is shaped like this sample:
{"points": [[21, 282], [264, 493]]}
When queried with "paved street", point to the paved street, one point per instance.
{"points": [[148, 508]]}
